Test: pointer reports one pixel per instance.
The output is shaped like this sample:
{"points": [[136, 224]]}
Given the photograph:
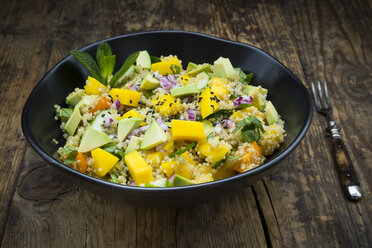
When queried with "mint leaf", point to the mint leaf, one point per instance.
{"points": [[251, 129], [180, 151], [248, 78], [72, 153], [155, 59], [89, 63], [67, 150], [243, 105], [210, 136], [175, 69], [235, 157], [124, 68], [105, 59], [250, 135], [65, 113]]}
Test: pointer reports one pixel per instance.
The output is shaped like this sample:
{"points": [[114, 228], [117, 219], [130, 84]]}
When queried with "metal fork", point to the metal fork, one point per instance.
{"points": [[346, 172]]}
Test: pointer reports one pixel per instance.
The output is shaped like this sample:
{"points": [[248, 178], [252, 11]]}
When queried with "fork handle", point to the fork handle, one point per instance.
{"points": [[346, 172]]}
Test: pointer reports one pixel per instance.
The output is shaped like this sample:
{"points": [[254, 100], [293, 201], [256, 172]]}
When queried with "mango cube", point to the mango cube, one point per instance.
{"points": [[103, 161], [169, 167], [213, 154], [93, 87], [155, 157], [164, 67], [218, 87], [208, 103], [126, 97], [132, 114], [204, 179], [182, 168], [138, 168], [187, 130], [166, 104]]}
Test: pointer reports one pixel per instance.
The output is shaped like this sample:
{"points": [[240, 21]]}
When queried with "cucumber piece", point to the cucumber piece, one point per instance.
{"points": [[202, 80]]}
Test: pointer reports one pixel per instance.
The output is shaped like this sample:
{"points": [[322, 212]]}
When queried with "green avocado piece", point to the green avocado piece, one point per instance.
{"points": [[223, 68], [149, 82], [249, 88], [65, 113], [271, 113], [181, 181], [185, 90], [73, 122], [144, 60], [258, 99], [159, 183], [86, 100], [125, 126], [75, 97], [199, 68], [93, 139], [128, 75], [133, 145], [202, 80], [154, 136], [191, 66], [208, 127]]}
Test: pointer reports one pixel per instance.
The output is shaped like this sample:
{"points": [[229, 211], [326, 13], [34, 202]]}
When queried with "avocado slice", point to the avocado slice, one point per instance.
{"points": [[75, 97], [208, 127], [271, 113], [159, 183], [191, 66], [65, 113], [125, 126], [249, 88], [185, 90], [134, 144], [73, 122], [128, 75], [258, 99], [181, 181], [202, 80], [144, 60], [223, 68], [93, 139], [149, 82], [199, 68], [154, 136]]}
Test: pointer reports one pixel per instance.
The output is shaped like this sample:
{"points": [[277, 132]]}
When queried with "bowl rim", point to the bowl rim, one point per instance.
{"points": [[135, 189]]}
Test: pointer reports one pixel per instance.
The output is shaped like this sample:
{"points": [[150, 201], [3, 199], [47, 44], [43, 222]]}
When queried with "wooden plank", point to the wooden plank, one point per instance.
{"points": [[25, 49]]}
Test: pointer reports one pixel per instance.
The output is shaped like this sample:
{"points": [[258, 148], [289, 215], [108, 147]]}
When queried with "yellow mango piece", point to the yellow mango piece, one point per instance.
{"points": [[185, 79], [169, 147], [218, 86], [132, 114], [138, 168], [182, 168], [208, 103], [103, 161], [187, 130], [169, 167], [93, 87], [155, 157], [204, 179], [214, 154], [164, 67], [166, 105], [249, 111], [224, 171], [126, 97]]}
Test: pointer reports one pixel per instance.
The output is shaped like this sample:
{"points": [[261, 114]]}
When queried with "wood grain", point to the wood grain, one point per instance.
{"points": [[299, 205]]}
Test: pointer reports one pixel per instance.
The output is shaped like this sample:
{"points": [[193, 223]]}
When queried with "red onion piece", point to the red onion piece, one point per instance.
{"points": [[229, 123], [134, 87], [162, 124], [115, 105], [191, 114], [108, 121], [137, 131], [243, 100], [167, 82], [171, 178], [132, 183]]}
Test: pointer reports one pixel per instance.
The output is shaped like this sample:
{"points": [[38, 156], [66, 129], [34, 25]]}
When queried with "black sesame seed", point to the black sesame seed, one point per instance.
{"points": [[175, 101], [103, 115], [170, 104], [116, 95], [157, 98], [130, 101], [212, 92]]}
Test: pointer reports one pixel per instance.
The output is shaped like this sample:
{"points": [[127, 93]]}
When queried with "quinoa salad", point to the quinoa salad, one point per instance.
{"points": [[155, 124]]}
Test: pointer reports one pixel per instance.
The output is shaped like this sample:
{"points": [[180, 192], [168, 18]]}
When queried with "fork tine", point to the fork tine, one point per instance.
{"points": [[315, 96], [321, 95], [326, 95]]}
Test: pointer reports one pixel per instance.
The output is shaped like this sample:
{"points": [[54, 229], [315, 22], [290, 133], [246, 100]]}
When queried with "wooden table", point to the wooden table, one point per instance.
{"points": [[301, 204]]}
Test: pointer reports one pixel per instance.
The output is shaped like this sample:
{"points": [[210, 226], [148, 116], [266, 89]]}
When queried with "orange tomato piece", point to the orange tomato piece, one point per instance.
{"points": [[81, 162], [102, 104], [247, 158]]}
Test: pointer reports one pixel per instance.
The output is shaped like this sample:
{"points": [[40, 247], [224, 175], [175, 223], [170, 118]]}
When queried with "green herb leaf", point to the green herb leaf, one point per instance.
{"points": [[148, 94], [251, 128], [175, 69], [89, 63], [124, 68], [67, 150], [248, 78], [250, 135], [114, 178], [111, 148], [220, 112], [155, 59], [72, 153], [235, 157], [219, 163], [210, 136], [65, 113], [105, 59], [243, 105], [180, 151]]}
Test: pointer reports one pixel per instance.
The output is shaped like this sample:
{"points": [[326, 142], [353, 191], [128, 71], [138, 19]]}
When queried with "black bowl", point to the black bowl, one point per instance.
{"points": [[287, 93]]}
